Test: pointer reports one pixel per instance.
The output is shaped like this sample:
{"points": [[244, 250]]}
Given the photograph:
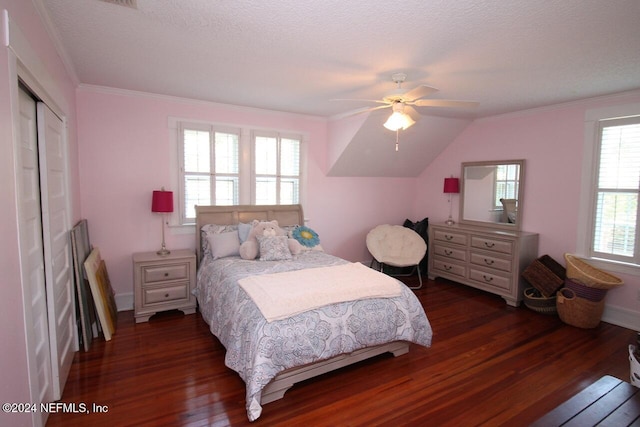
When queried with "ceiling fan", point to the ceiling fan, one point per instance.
{"points": [[402, 103]]}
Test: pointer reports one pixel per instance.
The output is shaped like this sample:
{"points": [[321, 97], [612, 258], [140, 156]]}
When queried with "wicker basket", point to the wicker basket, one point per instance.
{"points": [[545, 274], [634, 365], [584, 291], [588, 275], [578, 312], [534, 300]]}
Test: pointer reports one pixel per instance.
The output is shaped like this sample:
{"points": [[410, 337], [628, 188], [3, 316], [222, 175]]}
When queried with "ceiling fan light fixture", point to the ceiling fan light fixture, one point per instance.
{"points": [[398, 120]]}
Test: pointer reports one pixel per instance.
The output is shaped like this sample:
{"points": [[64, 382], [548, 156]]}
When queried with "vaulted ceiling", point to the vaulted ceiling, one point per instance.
{"points": [[299, 56]]}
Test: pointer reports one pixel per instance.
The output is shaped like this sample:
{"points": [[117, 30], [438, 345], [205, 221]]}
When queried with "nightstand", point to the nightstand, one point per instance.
{"points": [[163, 283]]}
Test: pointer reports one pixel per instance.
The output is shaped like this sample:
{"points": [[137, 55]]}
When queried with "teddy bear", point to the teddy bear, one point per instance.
{"points": [[250, 248]]}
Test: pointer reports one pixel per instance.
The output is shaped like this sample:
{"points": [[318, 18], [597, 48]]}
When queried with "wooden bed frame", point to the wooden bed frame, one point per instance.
{"points": [[286, 215]]}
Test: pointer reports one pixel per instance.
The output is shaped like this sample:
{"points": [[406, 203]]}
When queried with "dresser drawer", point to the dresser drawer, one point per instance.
{"points": [[162, 273], [490, 279], [450, 252], [450, 237], [449, 268], [166, 293], [489, 244], [491, 262]]}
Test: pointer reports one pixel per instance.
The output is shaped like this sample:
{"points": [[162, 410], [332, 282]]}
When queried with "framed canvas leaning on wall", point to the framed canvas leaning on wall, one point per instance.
{"points": [[103, 296]]}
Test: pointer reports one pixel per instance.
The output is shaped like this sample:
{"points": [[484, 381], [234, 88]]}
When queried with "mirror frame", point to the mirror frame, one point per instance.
{"points": [[499, 225]]}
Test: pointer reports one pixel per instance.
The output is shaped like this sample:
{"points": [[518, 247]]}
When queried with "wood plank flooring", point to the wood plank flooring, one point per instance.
{"points": [[489, 365]]}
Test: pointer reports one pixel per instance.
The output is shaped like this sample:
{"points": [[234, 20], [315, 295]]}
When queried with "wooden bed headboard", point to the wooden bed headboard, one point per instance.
{"points": [[229, 215]]}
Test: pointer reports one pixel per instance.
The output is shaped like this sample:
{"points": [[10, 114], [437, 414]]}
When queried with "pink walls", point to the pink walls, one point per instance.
{"points": [[125, 154], [551, 141]]}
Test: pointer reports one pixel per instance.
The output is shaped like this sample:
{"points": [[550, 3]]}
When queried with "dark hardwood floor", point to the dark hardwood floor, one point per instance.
{"points": [[489, 364]]}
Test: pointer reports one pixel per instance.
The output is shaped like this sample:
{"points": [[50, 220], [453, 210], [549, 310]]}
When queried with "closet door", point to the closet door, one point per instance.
{"points": [[57, 248], [32, 253]]}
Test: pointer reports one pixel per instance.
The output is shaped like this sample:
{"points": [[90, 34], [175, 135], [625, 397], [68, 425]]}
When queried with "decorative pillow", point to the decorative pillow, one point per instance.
{"points": [[224, 244], [309, 239], [274, 248], [243, 231], [209, 229]]}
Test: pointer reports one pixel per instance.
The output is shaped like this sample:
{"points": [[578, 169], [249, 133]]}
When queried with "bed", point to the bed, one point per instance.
{"points": [[271, 355]]}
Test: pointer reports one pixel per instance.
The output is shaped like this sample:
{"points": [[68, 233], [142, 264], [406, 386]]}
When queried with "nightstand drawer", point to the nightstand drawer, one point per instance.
{"points": [[166, 293], [162, 273]]}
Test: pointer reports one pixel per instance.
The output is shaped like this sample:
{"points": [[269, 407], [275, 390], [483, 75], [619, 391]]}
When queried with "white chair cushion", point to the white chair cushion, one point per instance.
{"points": [[396, 245]]}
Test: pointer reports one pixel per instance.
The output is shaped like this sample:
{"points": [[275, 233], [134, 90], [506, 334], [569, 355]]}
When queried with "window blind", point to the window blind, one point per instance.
{"points": [[618, 186]]}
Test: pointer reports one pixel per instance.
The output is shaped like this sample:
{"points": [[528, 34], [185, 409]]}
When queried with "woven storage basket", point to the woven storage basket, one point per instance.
{"points": [[584, 291], [578, 312], [534, 300], [589, 275], [545, 274]]}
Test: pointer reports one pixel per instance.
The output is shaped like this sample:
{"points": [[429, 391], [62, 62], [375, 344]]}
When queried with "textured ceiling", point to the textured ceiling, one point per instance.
{"points": [[296, 56], [299, 55]]}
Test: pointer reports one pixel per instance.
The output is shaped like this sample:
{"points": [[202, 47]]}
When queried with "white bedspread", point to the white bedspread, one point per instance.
{"points": [[281, 295]]}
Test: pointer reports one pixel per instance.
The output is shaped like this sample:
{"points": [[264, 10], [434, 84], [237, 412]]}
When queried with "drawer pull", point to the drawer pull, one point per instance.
{"points": [[487, 279], [448, 237], [166, 295], [448, 267], [488, 261], [489, 245], [447, 252], [166, 274]]}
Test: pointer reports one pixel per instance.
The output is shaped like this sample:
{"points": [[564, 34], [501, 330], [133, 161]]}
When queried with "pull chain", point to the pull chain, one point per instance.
{"points": [[397, 132]]}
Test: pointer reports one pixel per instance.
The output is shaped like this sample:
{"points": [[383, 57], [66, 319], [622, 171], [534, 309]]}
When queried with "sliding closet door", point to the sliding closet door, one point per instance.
{"points": [[57, 248], [32, 252]]}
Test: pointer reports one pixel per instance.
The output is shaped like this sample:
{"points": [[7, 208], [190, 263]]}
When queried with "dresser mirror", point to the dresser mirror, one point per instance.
{"points": [[491, 193]]}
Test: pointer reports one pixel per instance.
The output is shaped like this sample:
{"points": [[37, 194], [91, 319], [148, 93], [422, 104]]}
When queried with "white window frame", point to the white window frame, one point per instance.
{"points": [[588, 194], [278, 175], [212, 130], [246, 162]]}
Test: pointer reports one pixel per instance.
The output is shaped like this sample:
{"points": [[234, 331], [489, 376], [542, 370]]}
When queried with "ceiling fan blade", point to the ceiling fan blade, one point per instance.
{"points": [[362, 110], [444, 103], [412, 112], [419, 92]]}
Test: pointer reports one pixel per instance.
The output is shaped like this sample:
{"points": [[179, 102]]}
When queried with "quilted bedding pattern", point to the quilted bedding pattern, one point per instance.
{"points": [[258, 350]]}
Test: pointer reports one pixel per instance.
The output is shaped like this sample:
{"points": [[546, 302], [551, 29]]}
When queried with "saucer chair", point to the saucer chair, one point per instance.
{"points": [[396, 246]]}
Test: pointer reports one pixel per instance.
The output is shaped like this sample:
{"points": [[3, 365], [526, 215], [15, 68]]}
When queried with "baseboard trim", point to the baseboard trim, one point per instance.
{"points": [[124, 302], [623, 317]]}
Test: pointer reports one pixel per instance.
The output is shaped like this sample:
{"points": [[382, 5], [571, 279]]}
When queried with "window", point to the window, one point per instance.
{"points": [[615, 212], [210, 168], [276, 169], [219, 165]]}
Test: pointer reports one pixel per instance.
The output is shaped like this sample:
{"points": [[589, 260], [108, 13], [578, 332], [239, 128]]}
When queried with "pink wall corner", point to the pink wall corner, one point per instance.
{"points": [[551, 140]]}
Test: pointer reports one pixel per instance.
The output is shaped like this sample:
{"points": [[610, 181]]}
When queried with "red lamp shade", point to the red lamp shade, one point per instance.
{"points": [[451, 185], [162, 201]]}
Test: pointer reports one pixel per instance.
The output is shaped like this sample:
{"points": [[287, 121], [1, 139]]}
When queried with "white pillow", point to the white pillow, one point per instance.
{"points": [[210, 229], [224, 244]]}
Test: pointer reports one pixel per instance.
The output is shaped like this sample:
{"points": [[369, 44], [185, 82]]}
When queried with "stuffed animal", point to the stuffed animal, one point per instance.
{"points": [[250, 249]]}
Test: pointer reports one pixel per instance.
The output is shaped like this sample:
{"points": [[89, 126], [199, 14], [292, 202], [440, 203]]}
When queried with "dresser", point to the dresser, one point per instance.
{"points": [[163, 283], [484, 258]]}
